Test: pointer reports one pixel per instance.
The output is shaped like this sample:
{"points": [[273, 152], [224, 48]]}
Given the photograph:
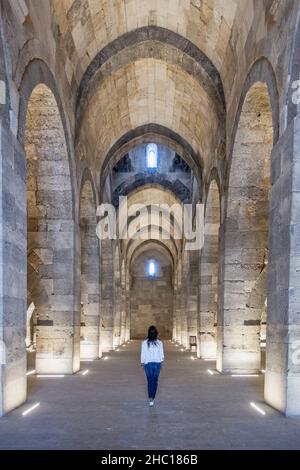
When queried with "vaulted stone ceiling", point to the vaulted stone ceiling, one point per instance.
{"points": [[167, 63], [149, 91], [218, 28], [88, 26], [137, 63]]}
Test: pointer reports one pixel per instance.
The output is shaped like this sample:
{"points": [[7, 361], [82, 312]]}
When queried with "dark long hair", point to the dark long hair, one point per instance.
{"points": [[152, 335]]}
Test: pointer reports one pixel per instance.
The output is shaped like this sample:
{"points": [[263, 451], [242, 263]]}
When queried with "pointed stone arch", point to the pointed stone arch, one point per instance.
{"points": [[209, 274], [51, 231], [246, 225], [90, 271]]}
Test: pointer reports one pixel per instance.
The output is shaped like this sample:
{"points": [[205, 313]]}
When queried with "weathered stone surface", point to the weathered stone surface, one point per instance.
{"points": [[151, 299], [213, 81]]}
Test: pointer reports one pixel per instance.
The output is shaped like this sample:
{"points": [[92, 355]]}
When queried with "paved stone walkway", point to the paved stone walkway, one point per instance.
{"points": [[107, 409]]}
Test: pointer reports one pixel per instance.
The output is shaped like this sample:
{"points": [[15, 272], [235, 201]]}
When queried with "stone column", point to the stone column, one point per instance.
{"points": [[177, 304], [238, 329], [90, 291], [13, 293], [192, 295], [282, 378], [107, 296], [117, 316], [58, 322], [128, 315], [123, 315], [174, 316], [184, 320], [209, 264]]}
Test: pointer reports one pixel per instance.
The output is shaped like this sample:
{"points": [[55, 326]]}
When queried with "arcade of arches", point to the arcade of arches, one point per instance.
{"points": [[85, 88]]}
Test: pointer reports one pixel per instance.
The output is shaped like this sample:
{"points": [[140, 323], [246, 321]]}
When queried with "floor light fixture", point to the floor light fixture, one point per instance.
{"points": [[257, 408], [30, 409]]}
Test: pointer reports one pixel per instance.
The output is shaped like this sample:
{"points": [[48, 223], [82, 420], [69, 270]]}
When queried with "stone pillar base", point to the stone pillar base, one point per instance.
{"points": [[46, 364], [107, 340], [116, 341], [208, 347], [14, 386], [88, 351], [239, 362], [282, 392], [90, 344]]}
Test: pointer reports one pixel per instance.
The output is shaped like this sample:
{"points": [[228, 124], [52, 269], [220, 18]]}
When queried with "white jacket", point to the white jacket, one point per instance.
{"points": [[152, 353]]}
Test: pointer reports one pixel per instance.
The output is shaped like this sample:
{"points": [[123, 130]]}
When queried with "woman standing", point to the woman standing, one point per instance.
{"points": [[152, 357]]}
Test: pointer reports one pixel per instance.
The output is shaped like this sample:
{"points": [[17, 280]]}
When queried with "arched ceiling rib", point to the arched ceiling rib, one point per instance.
{"points": [[146, 134], [147, 196], [149, 91], [163, 229], [150, 247], [152, 194], [135, 245], [88, 26], [150, 42], [135, 182]]}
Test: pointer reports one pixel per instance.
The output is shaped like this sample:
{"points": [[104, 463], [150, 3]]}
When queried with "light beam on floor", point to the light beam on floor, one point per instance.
{"points": [[85, 372], [30, 409], [244, 376], [210, 372], [50, 376], [31, 372], [257, 408]]}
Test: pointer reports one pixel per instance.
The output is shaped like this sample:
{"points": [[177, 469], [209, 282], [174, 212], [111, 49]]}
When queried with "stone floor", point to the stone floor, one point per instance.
{"points": [[107, 409]]}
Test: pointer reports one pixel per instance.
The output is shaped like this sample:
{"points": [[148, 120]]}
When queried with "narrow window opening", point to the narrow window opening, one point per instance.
{"points": [[152, 156], [152, 268]]}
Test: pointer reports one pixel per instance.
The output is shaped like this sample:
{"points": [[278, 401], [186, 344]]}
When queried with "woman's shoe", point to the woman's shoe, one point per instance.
{"points": [[151, 402]]}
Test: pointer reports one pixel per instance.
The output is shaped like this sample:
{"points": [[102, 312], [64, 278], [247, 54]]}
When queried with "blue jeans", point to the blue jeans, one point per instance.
{"points": [[152, 370]]}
